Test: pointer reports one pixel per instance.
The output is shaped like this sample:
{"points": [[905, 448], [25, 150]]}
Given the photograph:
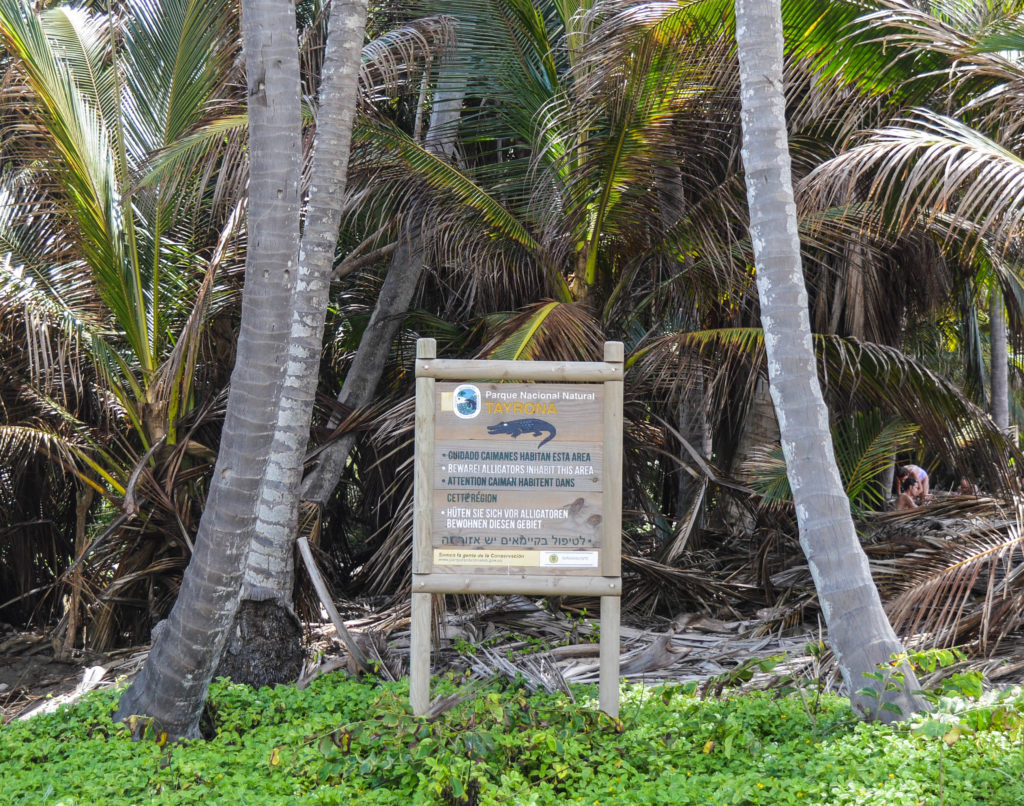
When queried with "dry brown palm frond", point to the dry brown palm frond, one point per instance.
{"points": [[954, 571], [387, 571], [482, 251], [657, 586], [537, 673], [854, 374], [677, 363]]}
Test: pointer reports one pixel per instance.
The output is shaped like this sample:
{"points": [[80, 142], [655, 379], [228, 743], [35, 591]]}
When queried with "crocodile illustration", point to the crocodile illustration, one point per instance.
{"points": [[525, 426]]}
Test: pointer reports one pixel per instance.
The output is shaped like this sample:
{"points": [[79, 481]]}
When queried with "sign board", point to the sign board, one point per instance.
{"points": [[518, 489], [518, 476]]}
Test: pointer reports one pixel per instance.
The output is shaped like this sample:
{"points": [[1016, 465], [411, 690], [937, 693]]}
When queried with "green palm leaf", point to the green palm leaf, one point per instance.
{"points": [[864, 447], [855, 376], [549, 331]]}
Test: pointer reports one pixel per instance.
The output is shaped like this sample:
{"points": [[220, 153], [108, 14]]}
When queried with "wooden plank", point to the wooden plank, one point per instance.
{"points": [[422, 556], [528, 585], [471, 370], [504, 562], [549, 520], [608, 687], [611, 557], [419, 653]]}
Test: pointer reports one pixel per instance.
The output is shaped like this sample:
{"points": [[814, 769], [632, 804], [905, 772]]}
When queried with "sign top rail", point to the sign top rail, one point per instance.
{"points": [[428, 366]]}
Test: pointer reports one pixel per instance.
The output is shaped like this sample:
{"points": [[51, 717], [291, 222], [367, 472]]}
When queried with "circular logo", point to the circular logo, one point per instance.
{"points": [[553, 559], [467, 401]]}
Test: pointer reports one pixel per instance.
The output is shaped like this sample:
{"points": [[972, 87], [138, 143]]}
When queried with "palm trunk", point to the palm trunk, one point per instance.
{"points": [[859, 632], [363, 376], [396, 294], [265, 644], [173, 684], [999, 390]]}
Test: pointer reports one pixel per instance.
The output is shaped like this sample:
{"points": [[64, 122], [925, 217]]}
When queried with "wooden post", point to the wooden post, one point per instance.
{"points": [[611, 554], [419, 645], [419, 654], [426, 350], [608, 686]]}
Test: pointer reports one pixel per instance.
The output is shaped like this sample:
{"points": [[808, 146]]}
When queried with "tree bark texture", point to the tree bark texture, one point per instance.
{"points": [[173, 684], [256, 655], [859, 631], [407, 264], [363, 376]]}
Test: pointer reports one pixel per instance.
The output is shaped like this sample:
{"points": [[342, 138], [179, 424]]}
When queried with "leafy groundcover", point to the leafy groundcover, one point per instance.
{"points": [[345, 741]]}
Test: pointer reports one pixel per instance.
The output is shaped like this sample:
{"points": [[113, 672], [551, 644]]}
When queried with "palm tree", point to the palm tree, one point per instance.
{"points": [[954, 177], [110, 278], [628, 236], [859, 632], [265, 646], [172, 686]]}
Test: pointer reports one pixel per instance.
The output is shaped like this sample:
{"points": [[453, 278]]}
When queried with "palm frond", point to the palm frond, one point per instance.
{"points": [[964, 582], [864, 448], [854, 375], [550, 331], [930, 165]]}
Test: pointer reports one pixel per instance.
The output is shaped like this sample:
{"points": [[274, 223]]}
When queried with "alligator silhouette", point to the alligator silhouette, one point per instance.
{"points": [[525, 426]]}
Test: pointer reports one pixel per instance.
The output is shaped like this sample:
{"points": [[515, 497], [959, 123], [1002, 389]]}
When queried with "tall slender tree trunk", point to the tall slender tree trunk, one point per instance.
{"points": [[371, 356], [999, 386], [265, 643], [173, 684], [859, 631], [393, 302]]}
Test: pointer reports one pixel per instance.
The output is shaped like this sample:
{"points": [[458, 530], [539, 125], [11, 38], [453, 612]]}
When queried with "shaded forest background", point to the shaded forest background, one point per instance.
{"points": [[528, 180]]}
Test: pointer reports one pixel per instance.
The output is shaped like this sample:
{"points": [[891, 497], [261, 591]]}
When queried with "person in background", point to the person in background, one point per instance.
{"points": [[910, 489], [921, 475], [966, 487]]}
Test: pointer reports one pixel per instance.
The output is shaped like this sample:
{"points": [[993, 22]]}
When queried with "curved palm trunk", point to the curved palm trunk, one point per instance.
{"points": [[265, 643], [396, 294], [999, 387], [371, 356], [859, 631], [173, 684]]}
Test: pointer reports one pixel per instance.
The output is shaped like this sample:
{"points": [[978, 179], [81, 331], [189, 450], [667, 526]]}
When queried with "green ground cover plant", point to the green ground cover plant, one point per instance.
{"points": [[345, 741]]}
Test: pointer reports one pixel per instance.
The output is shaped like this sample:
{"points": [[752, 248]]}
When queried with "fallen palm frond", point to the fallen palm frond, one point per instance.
{"points": [[653, 586], [962, 582], [537, 672]]}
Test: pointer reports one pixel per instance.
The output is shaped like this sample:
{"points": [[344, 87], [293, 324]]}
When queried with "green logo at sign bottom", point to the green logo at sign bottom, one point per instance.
{"points": [[552, 558]]}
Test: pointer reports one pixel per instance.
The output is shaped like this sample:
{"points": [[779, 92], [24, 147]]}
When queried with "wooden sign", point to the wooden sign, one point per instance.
{"points": [[518, 477], [518, 490]]}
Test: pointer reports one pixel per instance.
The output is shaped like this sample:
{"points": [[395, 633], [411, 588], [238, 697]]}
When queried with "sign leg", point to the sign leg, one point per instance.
{"points": [[609, 685], [419, 653]]}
